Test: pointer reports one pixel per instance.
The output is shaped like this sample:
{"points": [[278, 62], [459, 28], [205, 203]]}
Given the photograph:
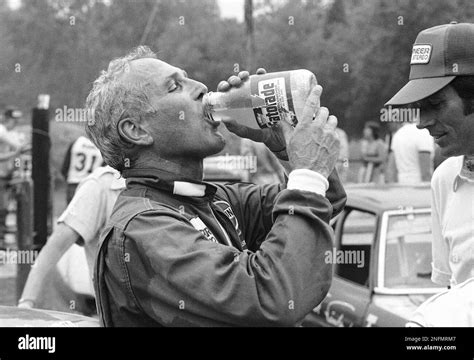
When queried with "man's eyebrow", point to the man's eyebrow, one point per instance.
{"points": [[175, 75], [170, 79], [434, 98], [439, 95]]}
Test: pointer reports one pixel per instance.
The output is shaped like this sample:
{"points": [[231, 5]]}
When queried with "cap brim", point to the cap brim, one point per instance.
{"points": [[418, 89]]}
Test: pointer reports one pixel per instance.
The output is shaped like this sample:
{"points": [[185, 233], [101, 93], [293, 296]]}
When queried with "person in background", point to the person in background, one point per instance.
{"points": [[373, 154], [342, 164], [390, 168], [82, 157], [412, 149], [81, 223], [441, 86], [11, 144]]}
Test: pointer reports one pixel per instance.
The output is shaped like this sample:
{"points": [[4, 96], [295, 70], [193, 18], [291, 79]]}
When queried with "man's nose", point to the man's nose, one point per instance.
{"points": [[198, 89], [425, 121]]}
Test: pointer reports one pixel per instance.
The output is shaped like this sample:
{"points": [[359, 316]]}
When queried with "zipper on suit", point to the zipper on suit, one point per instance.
{"points": [[222, 228]]}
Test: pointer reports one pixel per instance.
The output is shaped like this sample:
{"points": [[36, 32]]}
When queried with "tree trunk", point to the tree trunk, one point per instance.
{"points": [[249, 29]]}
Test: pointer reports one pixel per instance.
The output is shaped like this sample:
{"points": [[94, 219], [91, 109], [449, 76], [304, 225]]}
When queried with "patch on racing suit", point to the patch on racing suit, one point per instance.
{"points": [[226, 208], [199, 225]]}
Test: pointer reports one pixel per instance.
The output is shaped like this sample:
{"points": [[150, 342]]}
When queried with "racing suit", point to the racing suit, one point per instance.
{"points": [[187, 253]]}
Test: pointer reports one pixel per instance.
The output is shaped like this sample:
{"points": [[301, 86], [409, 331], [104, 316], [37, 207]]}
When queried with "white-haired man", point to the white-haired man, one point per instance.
{"points": [[181, 252]]}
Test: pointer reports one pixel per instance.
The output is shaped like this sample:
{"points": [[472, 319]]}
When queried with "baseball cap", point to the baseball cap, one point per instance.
{"points": [[439, 55]]}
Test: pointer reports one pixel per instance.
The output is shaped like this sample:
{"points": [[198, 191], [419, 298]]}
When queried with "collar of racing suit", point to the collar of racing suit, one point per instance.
{"points": [[163, 180], [197, 193]]}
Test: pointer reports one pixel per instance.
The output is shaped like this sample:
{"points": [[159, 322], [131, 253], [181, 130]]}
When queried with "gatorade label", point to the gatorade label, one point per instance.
{"points": [[273, 95]]}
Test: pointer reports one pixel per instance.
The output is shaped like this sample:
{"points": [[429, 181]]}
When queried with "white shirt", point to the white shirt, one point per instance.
{"points": [[407, 142], [3, 132], [9, 139], [91, 206], [5, 166], [452, 193], [451, 308], [85, 157]]}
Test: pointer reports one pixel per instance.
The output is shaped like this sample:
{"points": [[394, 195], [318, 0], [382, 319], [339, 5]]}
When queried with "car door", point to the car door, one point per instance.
{"points": [[350, 293]]}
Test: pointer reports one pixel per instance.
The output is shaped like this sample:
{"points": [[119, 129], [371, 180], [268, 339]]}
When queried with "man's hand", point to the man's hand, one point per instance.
{"points": [[272, 137], [313, 144], [236, 81]]}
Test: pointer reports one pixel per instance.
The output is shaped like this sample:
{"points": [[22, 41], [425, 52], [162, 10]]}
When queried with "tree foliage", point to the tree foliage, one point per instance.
{"points": [[358, 49]]}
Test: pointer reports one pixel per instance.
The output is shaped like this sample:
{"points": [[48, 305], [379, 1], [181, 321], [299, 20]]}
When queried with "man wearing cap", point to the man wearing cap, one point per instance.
{"points": [[442, 86], [10, 146]]}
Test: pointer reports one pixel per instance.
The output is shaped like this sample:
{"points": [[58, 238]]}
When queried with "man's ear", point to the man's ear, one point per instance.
{"points": [[134, 132]]}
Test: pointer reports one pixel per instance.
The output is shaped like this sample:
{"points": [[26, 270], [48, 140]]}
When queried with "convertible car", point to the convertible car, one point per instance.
{"points": [[381, 258]]}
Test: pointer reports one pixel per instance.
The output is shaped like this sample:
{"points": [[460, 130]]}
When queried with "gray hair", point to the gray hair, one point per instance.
{"points": [[111, 100]]}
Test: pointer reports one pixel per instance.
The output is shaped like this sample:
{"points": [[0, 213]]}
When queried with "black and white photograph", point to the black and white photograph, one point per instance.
{"points": [[237, 164]]}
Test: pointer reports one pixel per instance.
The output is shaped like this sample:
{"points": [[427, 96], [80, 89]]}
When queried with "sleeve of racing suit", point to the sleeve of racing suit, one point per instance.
{"points": [[276, 285], [336, 193], [253, 205]]}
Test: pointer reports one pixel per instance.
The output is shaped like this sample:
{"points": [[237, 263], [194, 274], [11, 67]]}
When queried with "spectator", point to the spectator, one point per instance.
{"points": [[390, 168], [81, 223], [82, 157], [11, 143], [373, 154], [413, 152]]}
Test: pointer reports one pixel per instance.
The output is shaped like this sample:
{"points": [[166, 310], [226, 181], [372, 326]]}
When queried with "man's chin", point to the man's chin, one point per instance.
{"points": [[218, 145], [211, 148], [449, 152]]}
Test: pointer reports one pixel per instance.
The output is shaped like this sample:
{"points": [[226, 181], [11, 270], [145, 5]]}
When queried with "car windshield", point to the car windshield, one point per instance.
{"points": [[408, 251]]}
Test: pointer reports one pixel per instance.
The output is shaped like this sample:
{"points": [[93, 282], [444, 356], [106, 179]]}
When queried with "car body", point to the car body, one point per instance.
{"points": [[11, 316], [381, 258]]}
